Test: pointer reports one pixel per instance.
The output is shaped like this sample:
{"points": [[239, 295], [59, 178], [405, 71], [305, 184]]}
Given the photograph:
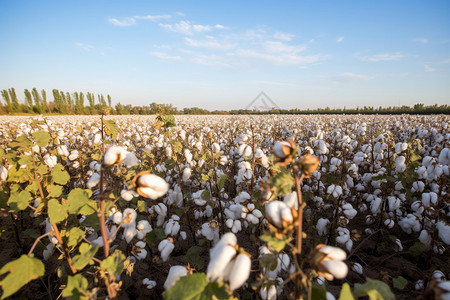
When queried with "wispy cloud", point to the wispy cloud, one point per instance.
{"points": [[340, 39], [429, 69], [122, 22], [153, 18], [84, 46], [279, 47], [283, 36], [384, 57], [165, 56], [421, 40], [209, 43], [445, 61], [185, 27], [278, 58]]}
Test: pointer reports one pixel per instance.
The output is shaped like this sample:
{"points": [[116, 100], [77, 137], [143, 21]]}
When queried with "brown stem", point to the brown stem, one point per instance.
{"points": [[301, 205], [36, 242], [101, 201]]}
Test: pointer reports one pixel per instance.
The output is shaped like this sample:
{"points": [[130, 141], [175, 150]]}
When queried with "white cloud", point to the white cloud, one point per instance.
{"points": [[384, 57], [84, 46], [421, 40], [347, 77], [122, 22], [445, 61], [185, 27], [278, 59], [283, 36], [165, 56], [340, 39], [152, 18], [209, 43], [279, 47], [429, 69]]}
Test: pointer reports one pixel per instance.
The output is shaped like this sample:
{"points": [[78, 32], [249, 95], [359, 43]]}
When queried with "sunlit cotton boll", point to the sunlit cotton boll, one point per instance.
{"points": [[73, 155], [93, 180], [130, 160], [128, 195], [139, 250], [186, 174], [143, 227], [151, 186], [50, 160], [3, 173], [278, 214], [330, 262], [62, 150], [400, 164], [114, 156], [175, 273]]}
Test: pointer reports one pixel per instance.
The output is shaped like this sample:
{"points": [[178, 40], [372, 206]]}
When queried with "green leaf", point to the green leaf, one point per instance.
{"points": [[275, 243], [114, 263], [282, 183], [77, 199], [57, 212], [205, 177], [41, 138], [375, 289], [194, 257], [141, 206], [75, 235], [206, 195], [318, 292], [21, 271], [417, 249], [85, 256], [54, 191], [177, 146], [346, 292], [195, 287], [21, 143], [111, 128], [399, 282], [76, 287], [60, 175], [19, 200], [155, 234]]}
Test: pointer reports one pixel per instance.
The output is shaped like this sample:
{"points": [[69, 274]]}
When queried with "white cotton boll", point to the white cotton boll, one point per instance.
{"points": [[128, 195], [168, 151], [219, 260], [444, 156], [393, 203], [97, 139], [237, 226], [129, 217], [270, 294], [291, 200], [143, 227], [50, 160], [357, 268], [418, 186], [425, 238], [73, 155], [48, 251], [186, 174], [279, 147], [165, 247], [149, 284], [329, 296], [175, 273], [334, 190], [399, 245], [389, 223], [400, 164], [215, 148], [129, 233], [321, 226], [349, 211], [130, 160], [375, 205], [444, 232], [338, 269], [240, 272], [114, 155], [93, 180], [183, 235], [417, 207], [188, 155], [419, 285], [117, 218], [139, 251], [62, 150], [151, 186], [322, 146], [343, 235], [252, 219], [427, 161], [3, 173]]}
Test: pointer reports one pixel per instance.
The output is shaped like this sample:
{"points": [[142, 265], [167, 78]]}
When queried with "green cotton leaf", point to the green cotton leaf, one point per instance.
{"points": [[346, 292], [76, 287], [275, 243], [166, 120], [114, 264], [19, 200], [60, 175], [417, 249], [57, 212], [41, 138], [375, 289], [223, 178], [415, 156], [399, 282], [177, 146], [318, 292], [75, 235], [206, 195], [21, 143], [54, 191], [196, 287], [141, 206], [194, 257], [19, 175], [85, 256], [282, 183], [111, 128], [204, 177], [20, 272], [77, 199]]}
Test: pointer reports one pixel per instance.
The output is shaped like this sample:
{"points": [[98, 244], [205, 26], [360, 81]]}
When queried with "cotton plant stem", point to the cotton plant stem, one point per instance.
{"points": [[101, 201], [37, 241], [301, 205]]}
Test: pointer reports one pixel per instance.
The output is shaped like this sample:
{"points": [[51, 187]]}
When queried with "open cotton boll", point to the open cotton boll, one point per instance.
{"points": [[400, 164], [444, 156], [93, 180], [186, 174], [240, 271], [129, 217], [50, 160], [129, 233], [117, 218], [425, 237], [3, 173], [270, 294], [151, 186], [321, 226], [48, 251], [349, 211], [149, 284], [143, 227], [334, 190], [219, 259], [128, 195], [188, 155], [278, 214], [62, 150], [130, 160], [73, 155], [175, 273], [444, 232], [165, 247], [357, 268], [291, 200], [139, 250], [114, 156]]}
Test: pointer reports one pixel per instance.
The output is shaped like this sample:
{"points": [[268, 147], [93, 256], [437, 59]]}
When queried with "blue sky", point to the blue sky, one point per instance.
{"points": [[222, 54]]}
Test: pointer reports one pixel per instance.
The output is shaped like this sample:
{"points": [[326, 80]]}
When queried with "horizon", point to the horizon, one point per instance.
{"points": [[220, 56]]}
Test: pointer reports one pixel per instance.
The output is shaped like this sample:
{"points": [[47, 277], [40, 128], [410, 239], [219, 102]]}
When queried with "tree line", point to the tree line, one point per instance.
{"points": [[35, 102]]}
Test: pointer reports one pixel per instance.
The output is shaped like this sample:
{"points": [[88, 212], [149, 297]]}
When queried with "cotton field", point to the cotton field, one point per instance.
{"points": [[232, 207]]}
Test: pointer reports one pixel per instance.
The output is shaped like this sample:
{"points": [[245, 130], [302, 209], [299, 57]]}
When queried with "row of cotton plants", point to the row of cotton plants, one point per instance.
{"points": [[248, 206]]}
